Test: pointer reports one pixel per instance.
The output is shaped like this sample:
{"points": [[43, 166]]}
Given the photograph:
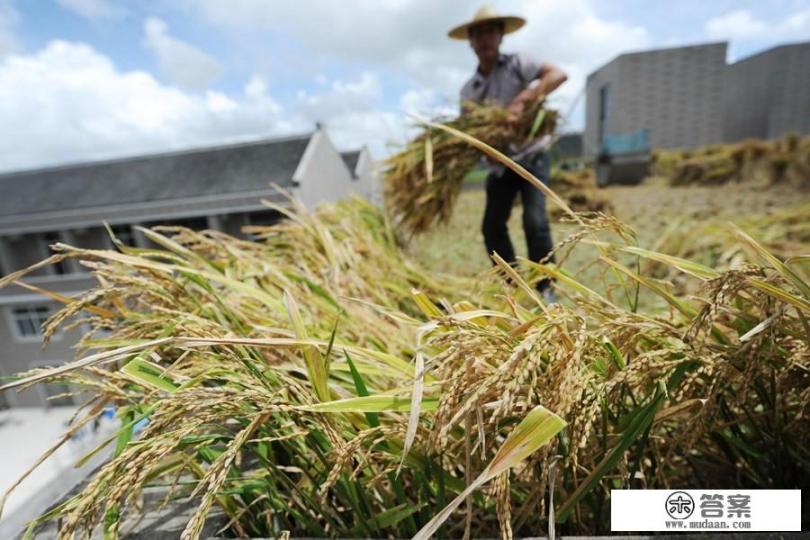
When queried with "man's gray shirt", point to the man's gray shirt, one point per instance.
{"points": [[510, 76]]}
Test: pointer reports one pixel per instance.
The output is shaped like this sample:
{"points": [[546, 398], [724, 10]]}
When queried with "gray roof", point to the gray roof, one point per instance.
{"points": [[219, 170], [350, 159], [648, 52]]}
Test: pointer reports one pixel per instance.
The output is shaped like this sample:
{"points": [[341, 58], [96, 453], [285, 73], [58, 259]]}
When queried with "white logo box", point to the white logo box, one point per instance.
{"points": [[718, 510]]}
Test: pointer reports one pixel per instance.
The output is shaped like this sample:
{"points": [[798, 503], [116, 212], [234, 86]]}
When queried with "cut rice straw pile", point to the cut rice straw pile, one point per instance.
{"points": [[422, 182], [753, 161]]}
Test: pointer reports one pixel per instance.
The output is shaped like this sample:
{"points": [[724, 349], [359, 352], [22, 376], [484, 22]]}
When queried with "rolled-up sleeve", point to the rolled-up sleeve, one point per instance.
{"points": [[529, 66]]}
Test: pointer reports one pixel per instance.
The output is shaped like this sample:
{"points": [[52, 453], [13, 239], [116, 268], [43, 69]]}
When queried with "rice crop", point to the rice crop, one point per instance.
{"points": [[315, 382]]}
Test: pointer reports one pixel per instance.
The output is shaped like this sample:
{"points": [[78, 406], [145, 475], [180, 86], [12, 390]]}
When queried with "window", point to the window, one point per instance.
{"points": [[28, 320], [264, 217], [124, 234], [53, 238], [604, 101], [604, 107]]}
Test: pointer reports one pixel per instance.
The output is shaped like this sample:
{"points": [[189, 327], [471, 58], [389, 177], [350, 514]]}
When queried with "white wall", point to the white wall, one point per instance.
{"points": [[322, 174], [369, 176]]}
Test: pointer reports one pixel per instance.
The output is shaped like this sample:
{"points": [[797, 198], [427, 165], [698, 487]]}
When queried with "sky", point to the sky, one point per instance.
{"points": [[94, 79]]}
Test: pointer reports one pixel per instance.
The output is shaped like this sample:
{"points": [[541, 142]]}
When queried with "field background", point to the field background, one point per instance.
{"points": [[650, 208]]}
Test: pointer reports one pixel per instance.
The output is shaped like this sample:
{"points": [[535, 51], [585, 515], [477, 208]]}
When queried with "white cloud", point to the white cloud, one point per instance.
{"points": [[94, 10], [181, 62], [352, 113], [737, 24], [408, 37], [742, 25], [341, 98], [8, 23], [69, 103]]}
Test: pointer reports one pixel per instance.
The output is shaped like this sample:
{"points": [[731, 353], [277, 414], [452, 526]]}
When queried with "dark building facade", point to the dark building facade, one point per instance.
{"points": [[676, 94], [689, 96], [768, 94]]}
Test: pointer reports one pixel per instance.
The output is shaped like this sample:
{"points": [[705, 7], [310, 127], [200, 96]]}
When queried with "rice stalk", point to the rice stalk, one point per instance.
{"points": [[316, 382]]}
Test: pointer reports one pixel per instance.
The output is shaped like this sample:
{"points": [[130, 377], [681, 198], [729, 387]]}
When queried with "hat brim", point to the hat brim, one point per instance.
{"points": [[510, 24]]}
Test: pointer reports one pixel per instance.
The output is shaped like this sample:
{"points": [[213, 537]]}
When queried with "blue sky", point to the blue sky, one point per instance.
{"points": [[88, 79]]}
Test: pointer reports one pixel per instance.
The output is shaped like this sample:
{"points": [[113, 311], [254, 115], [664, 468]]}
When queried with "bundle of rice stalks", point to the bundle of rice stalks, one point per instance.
{"points": [[765, 162], [422, 182], [301, 389], [578, 189]]}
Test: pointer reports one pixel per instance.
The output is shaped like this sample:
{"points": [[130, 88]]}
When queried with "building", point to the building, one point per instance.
{"points": [[676, 94], [689, 96], [768, 94], [364, 170], [218, 188]]}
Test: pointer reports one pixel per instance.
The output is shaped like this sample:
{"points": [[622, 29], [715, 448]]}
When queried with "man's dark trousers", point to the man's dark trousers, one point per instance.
{"points": [[501, 193]]}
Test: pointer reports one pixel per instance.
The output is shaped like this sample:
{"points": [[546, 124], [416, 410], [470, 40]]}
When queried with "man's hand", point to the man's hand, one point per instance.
{"points": [[549, 78], [518, 104]]}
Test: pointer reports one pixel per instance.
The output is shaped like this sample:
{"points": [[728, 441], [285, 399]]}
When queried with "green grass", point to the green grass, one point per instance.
{"points": [[476, 176]]}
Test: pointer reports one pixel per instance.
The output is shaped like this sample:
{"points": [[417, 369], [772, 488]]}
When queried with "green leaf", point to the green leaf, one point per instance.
{"points": [[318, 374], [538, 122], [689, 267], [535, 430], [388, 518], [362, 391], [149, 374], [425, 305], [111, 519], [125, 434], [768, 257], [614, 352]]}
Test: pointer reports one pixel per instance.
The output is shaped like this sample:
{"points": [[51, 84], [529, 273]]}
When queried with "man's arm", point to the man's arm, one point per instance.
{"points": [[549, 78]]}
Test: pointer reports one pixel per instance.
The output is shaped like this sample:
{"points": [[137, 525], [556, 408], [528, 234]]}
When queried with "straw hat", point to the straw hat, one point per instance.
{"points": [[483, 15]]}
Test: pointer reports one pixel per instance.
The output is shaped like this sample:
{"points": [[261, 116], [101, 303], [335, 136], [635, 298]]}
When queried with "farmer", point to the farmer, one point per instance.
{"points": [[505, 79]]}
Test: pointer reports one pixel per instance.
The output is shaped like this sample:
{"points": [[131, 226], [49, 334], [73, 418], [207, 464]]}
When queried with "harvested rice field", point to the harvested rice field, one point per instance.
{"points": [[651, 208]]}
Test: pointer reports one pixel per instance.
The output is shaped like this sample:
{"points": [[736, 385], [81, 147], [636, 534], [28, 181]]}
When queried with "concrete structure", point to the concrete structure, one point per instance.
{"points": [[767, 95], [676, 94], [364, 170], [217, 188], [689, 96], [567, 146]]}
